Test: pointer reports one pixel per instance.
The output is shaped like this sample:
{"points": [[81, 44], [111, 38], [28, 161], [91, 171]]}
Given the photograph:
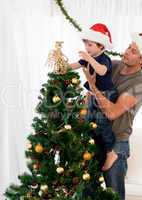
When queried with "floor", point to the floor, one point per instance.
{"points": [[134, 197]]}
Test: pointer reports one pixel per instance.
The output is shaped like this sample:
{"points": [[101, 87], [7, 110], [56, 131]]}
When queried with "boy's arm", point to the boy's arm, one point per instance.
{"points": [[75, 65], [99, 68]]}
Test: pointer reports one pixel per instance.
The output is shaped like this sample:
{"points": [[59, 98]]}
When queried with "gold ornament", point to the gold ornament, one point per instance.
{"points": [[36, 166], [101, 179], [87, 156], [93, 125], [65, 191], [67, 127], [83, 112], [86, 176], [29, 145], [56, 99], [71, 85], [92, 141], [44, 188], [39, 148], [40, 193], [75, 81], [29, 194], [57, 60], [60, 170]]}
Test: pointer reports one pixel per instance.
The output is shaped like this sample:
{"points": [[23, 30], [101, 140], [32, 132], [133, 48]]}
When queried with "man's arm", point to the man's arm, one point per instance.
{"points": [[112, 110]]}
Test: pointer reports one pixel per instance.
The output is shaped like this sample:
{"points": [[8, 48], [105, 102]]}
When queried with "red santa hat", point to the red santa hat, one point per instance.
{"points": [[137, 38], [98, 33]]}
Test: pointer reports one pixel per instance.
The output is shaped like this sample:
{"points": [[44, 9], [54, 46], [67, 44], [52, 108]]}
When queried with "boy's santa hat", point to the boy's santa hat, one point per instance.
{"points": [[98, 33], [137, 38]]}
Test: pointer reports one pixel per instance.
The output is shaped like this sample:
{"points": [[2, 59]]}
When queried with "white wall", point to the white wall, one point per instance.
{"points": [[134, 175]]}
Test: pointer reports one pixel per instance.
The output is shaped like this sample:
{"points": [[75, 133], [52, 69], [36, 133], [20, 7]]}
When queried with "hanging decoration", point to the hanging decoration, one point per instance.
{"points": [[68, 17], [77, 26]]}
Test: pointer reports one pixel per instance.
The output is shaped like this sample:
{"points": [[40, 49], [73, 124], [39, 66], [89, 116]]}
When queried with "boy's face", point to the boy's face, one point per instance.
{"points": [[92, 48]]}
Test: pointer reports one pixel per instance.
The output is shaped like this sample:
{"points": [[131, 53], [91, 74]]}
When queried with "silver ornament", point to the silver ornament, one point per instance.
{"points": [[57, 158]]}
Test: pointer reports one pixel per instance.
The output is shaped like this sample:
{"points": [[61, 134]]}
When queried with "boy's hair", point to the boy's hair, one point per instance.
{"points": [[98, 44]]}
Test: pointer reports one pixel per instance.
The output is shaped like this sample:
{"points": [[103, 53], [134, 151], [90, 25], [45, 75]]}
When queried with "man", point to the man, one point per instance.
{"points": [[127, 77]]}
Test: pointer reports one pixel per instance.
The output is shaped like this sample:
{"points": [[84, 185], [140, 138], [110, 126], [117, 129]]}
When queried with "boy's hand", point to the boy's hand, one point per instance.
{"points": [[85, 56]]}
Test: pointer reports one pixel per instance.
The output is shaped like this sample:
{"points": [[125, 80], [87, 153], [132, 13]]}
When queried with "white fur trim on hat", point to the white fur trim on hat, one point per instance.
{"points": [[97, 37], [138, 40]]}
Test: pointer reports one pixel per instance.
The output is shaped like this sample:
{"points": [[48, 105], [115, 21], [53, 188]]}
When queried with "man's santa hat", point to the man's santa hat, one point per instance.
{"points": [[137, 38], [98, 33]]}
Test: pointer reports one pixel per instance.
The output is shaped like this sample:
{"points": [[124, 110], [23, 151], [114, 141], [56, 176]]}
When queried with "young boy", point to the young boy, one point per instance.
{"points": [[96, 40]]}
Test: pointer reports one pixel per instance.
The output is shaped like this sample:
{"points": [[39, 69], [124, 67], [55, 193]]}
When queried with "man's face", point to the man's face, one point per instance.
{"points": [[132, 56]]}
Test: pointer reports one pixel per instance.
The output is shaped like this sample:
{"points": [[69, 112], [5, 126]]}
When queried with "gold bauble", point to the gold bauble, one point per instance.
{"points": [[86, 176], [101, 179], [29, 194], [39, 148], [60, 170], [29, 145], [35, 166], [93, 125], [83, 112], [75, 81], [44, 188], [87, 156], [56, 99], [67, 127], [92, 141]]}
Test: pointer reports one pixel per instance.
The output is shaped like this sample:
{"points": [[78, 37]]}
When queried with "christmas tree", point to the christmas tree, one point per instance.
{"points": [[60, 150]]}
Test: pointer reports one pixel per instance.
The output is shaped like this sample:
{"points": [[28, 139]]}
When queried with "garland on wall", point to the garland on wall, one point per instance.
{"points": [[67, 16], [76, 25]]}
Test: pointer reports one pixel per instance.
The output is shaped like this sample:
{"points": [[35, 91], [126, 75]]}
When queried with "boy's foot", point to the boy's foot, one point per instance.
{"points": [[110, 159]]}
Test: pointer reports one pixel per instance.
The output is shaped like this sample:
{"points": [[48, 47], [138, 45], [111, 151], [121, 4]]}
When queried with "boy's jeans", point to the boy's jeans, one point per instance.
{"points": [[115, 176]]}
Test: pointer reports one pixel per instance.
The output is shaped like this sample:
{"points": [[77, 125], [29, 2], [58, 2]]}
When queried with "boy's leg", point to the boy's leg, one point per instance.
{"points": [[115, 176], [109, 141]]}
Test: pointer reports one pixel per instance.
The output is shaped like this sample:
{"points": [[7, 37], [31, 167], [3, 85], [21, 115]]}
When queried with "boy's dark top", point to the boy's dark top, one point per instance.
{"points": [[102, 82]]}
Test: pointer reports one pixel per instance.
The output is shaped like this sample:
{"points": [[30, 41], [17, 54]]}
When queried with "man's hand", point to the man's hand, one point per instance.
{"points": [[85, 56]]}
